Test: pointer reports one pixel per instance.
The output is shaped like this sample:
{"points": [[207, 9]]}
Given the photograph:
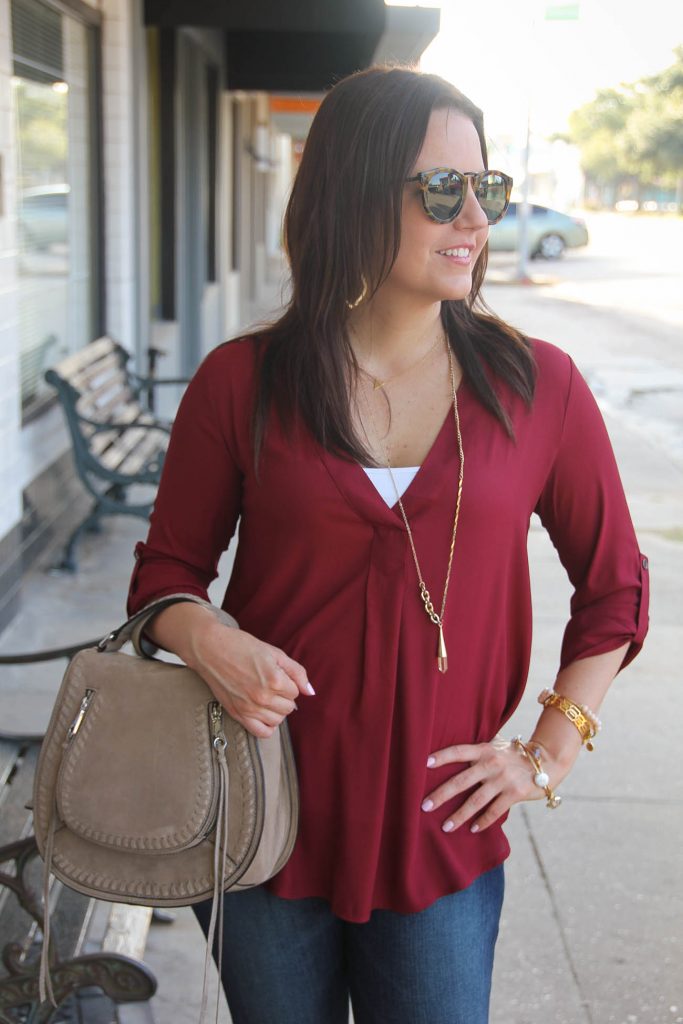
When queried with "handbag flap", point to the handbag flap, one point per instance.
{"points": [[125, 780]]}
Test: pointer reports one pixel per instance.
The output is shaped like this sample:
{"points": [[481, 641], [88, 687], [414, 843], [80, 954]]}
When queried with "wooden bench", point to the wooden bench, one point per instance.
{"points": [[116, 441], [112, 966]]}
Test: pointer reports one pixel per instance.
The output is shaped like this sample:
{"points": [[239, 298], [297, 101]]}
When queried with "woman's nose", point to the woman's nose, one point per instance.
{"points": [[471, 213]]}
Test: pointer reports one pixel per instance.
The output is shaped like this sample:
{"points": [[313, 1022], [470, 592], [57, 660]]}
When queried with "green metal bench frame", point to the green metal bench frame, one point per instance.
{"points": [[116, 441]]}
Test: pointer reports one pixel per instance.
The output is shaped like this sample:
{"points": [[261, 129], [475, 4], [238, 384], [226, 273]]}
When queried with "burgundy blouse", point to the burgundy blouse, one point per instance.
{"points": [[324, 571]]}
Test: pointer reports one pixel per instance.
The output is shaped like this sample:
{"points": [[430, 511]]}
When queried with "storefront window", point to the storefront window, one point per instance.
{"points": [[57, 259]]}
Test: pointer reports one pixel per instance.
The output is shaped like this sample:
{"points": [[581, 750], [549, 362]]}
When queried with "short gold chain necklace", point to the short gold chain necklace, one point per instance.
{"points": [[377, 383], [436, 618]]}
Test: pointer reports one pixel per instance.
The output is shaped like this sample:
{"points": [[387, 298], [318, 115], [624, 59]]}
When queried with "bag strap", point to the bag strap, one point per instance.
{"points": [[132, 629]]}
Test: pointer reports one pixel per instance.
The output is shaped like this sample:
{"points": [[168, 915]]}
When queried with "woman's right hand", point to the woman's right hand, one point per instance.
{"points": [[256, 683]]}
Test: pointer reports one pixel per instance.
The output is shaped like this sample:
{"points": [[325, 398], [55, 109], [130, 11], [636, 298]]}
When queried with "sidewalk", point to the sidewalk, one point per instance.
{"points": [[592, 928]]}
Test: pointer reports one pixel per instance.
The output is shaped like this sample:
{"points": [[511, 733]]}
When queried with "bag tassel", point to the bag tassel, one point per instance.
{"points": [[220, 857], [45, 990]]}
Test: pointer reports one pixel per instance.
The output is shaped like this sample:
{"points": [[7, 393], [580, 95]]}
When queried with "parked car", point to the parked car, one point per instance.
{"points": [[550, 232], [43, 217]]}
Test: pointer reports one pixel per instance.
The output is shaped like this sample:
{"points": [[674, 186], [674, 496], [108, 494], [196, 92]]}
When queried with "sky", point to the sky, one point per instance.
{"points": [[500, 52]]}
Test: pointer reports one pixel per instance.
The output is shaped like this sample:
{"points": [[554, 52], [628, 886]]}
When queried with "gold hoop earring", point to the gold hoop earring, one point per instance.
{"points": [[361, 298]]}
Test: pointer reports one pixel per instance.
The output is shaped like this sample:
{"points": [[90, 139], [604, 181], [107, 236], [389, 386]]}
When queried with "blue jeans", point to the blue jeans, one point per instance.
{"points": [[295, 962]]}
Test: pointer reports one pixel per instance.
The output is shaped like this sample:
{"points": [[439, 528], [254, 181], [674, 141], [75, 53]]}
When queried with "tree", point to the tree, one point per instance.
{"points": [[634, 132], [655, 129]]}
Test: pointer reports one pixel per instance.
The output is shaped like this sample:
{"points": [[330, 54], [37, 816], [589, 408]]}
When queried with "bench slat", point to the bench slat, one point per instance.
{"points": [[99, 403], [101, 440], [8, 758], [119, 404], [127, 930], [150, 446], [75, 363], [98, 368], [15, 819], [146, 442]]}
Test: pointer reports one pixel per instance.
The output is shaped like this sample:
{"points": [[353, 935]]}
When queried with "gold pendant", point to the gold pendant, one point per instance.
{"points": [[441, 654], [377, 384]]}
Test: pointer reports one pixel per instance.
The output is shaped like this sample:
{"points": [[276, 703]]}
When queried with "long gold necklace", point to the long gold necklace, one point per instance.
{"points": [[377, 383], [436, 618]]}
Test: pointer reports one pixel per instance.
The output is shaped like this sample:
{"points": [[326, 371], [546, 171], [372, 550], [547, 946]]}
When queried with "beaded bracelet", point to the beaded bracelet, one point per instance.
{"points": [[541, 778], [585, 720]]}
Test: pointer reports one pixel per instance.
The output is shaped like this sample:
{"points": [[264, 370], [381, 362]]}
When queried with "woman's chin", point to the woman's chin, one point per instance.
{"points": [[459, 291]]}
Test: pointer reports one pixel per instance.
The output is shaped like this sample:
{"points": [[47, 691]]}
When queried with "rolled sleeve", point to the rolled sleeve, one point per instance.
{"points": [[583, 507]]}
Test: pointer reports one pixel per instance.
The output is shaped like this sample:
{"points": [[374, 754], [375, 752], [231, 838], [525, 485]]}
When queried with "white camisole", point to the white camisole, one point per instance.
{"points": [[381, 478]]}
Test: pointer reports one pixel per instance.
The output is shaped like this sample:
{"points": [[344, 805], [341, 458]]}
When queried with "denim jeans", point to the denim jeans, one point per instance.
{"points": [[295, 962]]}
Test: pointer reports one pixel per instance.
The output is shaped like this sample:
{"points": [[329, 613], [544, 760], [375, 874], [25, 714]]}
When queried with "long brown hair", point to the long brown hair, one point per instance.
{"points": [[342, 234]]}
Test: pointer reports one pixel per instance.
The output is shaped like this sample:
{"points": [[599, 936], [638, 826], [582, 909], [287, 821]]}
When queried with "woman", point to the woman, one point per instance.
{"points": [[402, 437]]}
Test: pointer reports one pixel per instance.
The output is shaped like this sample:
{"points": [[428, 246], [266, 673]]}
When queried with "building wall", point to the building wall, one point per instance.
{"points": [[121, 94], [10, 497], [40, 498], [10, 398]]}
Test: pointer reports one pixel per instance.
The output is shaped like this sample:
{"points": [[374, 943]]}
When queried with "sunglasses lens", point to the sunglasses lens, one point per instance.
{"points": [[443, 196], [493, 196]]}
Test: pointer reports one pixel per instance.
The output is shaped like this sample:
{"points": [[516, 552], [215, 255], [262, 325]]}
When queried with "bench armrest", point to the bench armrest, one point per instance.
{"points": [[113, 425], [147, 381]]}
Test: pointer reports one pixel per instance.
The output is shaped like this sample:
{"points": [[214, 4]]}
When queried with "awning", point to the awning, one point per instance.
{"points": [[301, 45]]}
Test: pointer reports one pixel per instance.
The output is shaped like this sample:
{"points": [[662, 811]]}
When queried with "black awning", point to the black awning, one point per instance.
{"points": [[295, 61], [271, 45]]}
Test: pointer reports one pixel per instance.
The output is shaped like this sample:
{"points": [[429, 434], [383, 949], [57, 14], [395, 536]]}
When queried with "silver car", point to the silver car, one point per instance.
{"points": [[550, 232], [43, 217]]}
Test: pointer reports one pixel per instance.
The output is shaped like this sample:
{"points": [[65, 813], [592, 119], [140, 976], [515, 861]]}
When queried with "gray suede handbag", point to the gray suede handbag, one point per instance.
{"points": [[148, 792]]}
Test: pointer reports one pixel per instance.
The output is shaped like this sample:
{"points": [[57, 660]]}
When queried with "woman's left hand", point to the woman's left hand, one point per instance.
{"points": [[502, 775]]}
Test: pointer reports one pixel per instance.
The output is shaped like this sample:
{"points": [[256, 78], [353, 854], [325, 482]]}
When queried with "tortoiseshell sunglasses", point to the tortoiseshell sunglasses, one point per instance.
{"points": [[444, 190]]}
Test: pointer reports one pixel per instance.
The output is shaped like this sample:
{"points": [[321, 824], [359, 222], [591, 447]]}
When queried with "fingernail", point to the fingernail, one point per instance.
{"points": [[310, 688], [431, 761], [474, 828], [427, 805], [448, 827]]}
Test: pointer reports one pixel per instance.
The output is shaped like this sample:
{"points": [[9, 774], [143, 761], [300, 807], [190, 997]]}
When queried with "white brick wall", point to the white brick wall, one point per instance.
{"points": [[120, 33], [10, 492]]}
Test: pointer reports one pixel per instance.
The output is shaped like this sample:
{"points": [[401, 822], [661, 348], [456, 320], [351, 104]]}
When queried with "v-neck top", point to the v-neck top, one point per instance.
{"points": [[323, 570]]}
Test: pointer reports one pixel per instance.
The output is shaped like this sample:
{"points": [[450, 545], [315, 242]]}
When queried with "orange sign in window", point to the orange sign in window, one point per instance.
{"points": [[293, 105]]}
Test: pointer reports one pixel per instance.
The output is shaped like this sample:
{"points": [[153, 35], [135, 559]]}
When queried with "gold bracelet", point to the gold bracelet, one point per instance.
{"points": [[576, 715], [541, 778]]}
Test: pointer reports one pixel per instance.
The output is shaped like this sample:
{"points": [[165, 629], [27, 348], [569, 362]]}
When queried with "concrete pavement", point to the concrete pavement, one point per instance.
{"points": [[592, 926]]}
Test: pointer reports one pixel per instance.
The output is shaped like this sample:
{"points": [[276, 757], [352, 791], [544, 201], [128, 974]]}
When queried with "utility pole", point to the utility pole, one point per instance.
{"points": [[523, 208], [554, 10]]}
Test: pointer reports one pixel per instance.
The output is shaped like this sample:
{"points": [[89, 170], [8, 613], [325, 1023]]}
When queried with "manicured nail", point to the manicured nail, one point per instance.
{"points": [[310, 688], [427, 805], [448, 827], [474, 828], [431, 761]]}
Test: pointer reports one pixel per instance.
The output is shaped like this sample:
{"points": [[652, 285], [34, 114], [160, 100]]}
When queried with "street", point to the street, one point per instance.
{"points": [[629, 279], [591, 928]]}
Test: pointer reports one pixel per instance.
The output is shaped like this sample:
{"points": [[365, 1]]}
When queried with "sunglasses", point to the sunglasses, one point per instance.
{"points": [[444, 190]]}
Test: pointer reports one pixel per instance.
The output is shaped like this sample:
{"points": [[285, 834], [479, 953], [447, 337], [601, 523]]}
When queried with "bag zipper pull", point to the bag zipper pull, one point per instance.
{"points": [[78, 720], [219, 740]]}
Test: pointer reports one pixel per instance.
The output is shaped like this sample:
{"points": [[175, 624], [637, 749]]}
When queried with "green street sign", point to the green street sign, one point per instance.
{"points": [[561, 11]]}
